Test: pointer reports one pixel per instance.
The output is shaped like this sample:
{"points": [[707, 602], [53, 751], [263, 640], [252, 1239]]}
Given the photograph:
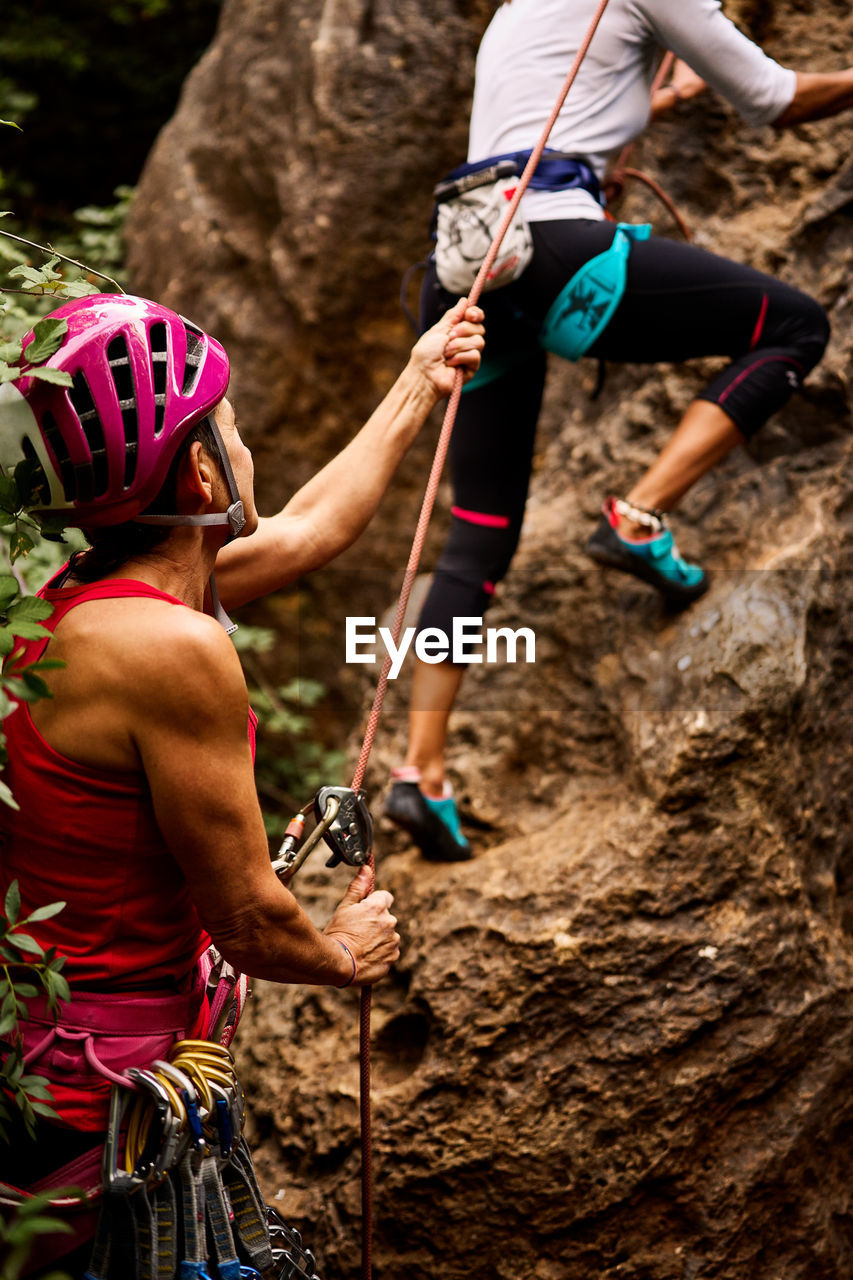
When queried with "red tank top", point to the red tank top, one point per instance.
{"points": [[88, 837]]}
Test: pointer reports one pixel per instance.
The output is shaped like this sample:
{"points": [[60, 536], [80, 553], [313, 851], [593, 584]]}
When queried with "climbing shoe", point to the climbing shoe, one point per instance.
{"points": [[654, 559], [433, 823]]}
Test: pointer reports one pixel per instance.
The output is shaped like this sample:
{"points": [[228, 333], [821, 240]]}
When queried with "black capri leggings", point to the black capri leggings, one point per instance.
{"points": [[680, 303]]}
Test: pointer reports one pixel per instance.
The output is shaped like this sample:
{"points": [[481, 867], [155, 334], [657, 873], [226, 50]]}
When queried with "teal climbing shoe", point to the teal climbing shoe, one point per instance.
{"points": [[655, 559], [433, 824]]}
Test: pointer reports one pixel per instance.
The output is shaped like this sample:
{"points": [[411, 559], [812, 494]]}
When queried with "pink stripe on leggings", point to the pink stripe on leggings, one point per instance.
{"points": [[480, 517], [746, 372], [759, 324]]}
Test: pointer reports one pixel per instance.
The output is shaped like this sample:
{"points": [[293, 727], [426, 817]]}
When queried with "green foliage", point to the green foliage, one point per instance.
{"points": [[289, 767], [17, 1234], [90, 84], [96, 233], [23, 962]]}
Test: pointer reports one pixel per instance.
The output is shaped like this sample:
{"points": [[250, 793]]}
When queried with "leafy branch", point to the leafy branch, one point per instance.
{"points": [[30, 1094], [47, 338], [49, 280], [18, 1232]]}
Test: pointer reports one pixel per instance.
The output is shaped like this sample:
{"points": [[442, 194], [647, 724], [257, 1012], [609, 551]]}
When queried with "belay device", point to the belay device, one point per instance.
{"points": [[343, 821]]}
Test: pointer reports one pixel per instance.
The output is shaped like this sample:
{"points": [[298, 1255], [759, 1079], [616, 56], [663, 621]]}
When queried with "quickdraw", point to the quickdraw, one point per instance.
{"points": [[184, 1187]]}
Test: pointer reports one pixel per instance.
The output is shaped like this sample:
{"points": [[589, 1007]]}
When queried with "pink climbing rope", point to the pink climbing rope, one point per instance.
{"points": [[402, 604]]}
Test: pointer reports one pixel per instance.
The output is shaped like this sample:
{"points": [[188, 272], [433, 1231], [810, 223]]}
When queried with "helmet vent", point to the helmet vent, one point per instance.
{"points": [[195, 355], [41, 488], [118, 358], [59, 449], [92, 478], [159, 369]]}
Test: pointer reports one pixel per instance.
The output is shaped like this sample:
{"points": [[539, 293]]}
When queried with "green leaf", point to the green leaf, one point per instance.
{"points": [[6, 796], [8, 1023], [27, 630], [26, 990], [13, 1067], [19, 544], [47, 335], [36, 685], [24, 942], [33, 608], [42, 1109], [57, 376], [79, 289], [10, 352], [30, 274], [10, 124], [45, 913], [61, 989], [8, 589], [12, 904], [42, 1225], [37, 1087], [30, 479], [9, 497], [20, 688], [7, 640]]}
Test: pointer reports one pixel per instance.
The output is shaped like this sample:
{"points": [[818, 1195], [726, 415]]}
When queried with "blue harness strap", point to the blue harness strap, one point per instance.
{"points": [[583, 308], [554, 172]]}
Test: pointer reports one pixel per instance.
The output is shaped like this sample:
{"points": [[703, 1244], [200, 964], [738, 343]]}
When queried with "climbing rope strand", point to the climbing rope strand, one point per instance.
{"points": [[614, 182], [624, 155], [411, 572], [535, 156], [665, 200], [402, 604]]}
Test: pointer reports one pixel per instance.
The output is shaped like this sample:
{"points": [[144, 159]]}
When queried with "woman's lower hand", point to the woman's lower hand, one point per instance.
{"points": [[367, 931], [455, 342]]}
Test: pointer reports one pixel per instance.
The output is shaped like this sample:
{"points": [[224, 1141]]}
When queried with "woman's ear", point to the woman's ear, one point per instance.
{"points": [[196, 476]]}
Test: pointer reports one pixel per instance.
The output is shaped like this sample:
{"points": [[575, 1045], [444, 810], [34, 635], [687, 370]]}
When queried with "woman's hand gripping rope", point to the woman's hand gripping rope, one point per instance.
{"points": [[366, 930], [455, 342]]}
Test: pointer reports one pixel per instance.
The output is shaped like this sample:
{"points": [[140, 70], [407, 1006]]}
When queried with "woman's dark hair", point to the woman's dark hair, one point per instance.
{"points": [[110, 547]]}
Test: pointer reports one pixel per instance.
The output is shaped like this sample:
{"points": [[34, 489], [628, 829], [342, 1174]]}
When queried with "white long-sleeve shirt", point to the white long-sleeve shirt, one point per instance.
{"points": [[529, 46]]}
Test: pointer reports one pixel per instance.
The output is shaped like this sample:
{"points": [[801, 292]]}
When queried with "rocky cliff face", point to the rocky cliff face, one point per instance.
{"points": [[620, 1042]]}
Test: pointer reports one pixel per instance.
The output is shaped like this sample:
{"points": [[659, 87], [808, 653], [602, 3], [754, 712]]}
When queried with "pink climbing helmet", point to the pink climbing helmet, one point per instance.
{"points": [[143, 378]]}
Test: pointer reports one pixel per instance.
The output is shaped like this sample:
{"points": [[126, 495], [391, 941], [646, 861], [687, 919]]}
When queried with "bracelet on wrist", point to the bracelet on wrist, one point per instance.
{"points": [[352, 977]]}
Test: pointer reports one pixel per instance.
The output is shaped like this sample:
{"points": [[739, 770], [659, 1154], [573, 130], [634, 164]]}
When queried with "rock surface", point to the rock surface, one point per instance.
{"points": [[619, 1042]]}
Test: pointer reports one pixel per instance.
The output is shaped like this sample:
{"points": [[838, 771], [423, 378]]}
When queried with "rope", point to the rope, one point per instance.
{"points": [[614, 183], [402, 604]]}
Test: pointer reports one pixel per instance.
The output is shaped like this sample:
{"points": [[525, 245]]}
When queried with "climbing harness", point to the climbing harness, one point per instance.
{"points": [[172, 1186], [584, 307]]}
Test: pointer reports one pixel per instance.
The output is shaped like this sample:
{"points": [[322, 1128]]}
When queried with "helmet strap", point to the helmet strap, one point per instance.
{"points": [[234, 517]]}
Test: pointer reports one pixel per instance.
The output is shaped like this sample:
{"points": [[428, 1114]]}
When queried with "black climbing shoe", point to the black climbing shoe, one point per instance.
{"points": [[427, 821]]}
